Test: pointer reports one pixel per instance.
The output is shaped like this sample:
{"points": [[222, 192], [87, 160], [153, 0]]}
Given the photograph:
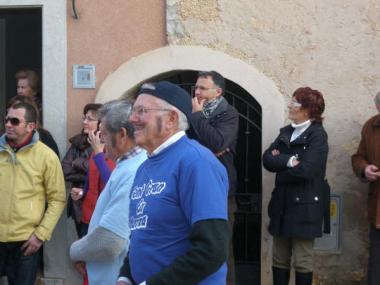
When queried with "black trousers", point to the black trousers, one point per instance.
{"points": [[374, 256], [19, 269]]}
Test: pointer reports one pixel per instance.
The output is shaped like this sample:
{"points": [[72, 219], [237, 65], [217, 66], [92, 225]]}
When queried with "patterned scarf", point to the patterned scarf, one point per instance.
{"points": [[210, 106]]}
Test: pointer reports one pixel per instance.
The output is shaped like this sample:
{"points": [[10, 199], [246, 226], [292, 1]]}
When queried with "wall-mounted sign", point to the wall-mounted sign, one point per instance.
{"points": [[84, 76]]}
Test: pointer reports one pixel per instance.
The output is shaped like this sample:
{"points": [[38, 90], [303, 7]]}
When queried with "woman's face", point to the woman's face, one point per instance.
{"points": [[297, 114], [90, 122], [24, 89]]}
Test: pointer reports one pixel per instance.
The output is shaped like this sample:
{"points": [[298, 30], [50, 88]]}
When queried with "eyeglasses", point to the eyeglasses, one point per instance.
{"points": [[141, 111], [294, 104], [14, 121], [202, 88], [89, 119]]}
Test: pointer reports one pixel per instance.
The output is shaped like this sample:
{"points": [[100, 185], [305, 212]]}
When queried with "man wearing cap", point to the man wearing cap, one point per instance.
{"points": [[178, 210], [215, 125]]}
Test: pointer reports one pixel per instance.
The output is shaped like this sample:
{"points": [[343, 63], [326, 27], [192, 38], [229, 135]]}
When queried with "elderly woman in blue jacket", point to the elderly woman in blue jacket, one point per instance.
{"points": [[301, 197]]}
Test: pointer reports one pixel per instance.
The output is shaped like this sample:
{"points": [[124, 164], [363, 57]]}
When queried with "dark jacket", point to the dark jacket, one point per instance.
{"points": [[219, 134], [75, 166], [369, 153], [47, 138], [75, 162], [301, 197]]}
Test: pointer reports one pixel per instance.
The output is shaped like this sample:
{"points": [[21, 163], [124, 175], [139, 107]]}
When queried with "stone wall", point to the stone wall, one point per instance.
{"points": [[332, 46]]}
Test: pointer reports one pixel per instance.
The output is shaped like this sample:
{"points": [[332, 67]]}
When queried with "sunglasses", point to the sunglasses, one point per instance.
{"points": [[14, 121]]}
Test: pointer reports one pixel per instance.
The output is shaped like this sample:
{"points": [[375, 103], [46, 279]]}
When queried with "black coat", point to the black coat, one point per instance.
{"points": [[219, 134], [301, 197]]}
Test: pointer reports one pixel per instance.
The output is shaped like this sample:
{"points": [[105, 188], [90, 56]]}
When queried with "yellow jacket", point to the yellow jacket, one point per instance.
{"points": [[32, 191]]}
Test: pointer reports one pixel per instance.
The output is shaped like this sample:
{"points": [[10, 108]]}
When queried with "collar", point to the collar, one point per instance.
{"points": [[168, 142], [16, 146], [376, 122], [133, 152], [302, 125], [4, 142]]}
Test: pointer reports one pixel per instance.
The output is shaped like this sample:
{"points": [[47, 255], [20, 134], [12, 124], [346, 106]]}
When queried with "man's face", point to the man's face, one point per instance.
{"points": [[151, 121], [206, 89], [109, 141], [24, 89], [16, 128]]}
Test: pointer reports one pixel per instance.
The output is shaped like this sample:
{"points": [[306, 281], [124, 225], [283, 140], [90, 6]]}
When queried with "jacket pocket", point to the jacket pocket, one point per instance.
{"points": [[307, 207]]}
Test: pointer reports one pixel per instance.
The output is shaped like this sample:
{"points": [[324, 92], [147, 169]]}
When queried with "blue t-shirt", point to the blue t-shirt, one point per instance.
{"points": [[111, 212], [174, 189]]}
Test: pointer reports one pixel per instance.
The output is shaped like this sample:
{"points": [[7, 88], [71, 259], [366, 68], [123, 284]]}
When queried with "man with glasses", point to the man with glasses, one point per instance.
{"points": [[215, 125], [32, 194], [178, 210], [366, 165]]}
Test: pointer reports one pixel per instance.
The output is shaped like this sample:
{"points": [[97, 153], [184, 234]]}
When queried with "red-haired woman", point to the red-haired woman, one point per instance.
{"points": [[301, 197]]}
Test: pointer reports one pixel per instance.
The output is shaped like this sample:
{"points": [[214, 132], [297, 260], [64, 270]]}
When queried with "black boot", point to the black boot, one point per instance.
{"points": [[304, 278], [280, 276]]}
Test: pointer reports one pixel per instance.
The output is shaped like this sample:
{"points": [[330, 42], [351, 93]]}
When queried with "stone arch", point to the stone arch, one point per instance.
{"points": [[163, 61]]}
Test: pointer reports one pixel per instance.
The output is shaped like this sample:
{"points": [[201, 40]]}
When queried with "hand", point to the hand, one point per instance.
{"points": [[197, 104], [295, 162], [32, 245], [275, 152], [371, 172], [80, 266], [76, 193], [94, 140]]}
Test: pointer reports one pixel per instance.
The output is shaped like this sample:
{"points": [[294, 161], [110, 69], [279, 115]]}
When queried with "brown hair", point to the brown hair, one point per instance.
{"points": [[311, 100], [15, 100], [32, 77]]}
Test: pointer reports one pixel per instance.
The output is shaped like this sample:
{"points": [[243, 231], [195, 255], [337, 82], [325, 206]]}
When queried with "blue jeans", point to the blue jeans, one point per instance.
{"points": [[19, 269], [374, 256]]}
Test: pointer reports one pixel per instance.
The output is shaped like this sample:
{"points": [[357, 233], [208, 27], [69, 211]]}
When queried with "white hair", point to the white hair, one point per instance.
{"points": [[377, 99], [183, 123]]}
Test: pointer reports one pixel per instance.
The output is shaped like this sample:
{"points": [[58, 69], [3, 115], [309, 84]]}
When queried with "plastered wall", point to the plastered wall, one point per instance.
{"points": [[107, 34], [332, 46]]}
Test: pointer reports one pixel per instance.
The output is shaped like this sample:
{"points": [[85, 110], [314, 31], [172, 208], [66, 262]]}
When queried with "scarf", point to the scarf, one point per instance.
{"points": [[210, 106]]}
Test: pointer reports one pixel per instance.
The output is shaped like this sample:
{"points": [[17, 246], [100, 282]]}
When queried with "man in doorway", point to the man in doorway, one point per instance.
{"points": [[104, 247], [215, 124], [32, 194], [366, 165], [178, 211]]}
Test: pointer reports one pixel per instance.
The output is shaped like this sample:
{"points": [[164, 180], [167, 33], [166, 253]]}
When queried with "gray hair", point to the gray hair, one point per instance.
{"points": [[183, 123], [116, 114], [377, 99]]}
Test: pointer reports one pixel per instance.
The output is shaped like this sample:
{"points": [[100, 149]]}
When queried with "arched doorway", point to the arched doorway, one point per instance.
{"points": [[261, 109]]}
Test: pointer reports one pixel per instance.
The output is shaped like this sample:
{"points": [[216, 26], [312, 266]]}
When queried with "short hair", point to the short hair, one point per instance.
{"points": [[216, 77], [116, 114], [311, 100], [377, 99], [23, 99], [32, 77], [30, 111], [91, 107], [183, 123]]}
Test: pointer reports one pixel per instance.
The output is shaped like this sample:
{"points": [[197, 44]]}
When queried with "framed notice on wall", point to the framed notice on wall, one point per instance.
{"points": [[84, 76]]}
